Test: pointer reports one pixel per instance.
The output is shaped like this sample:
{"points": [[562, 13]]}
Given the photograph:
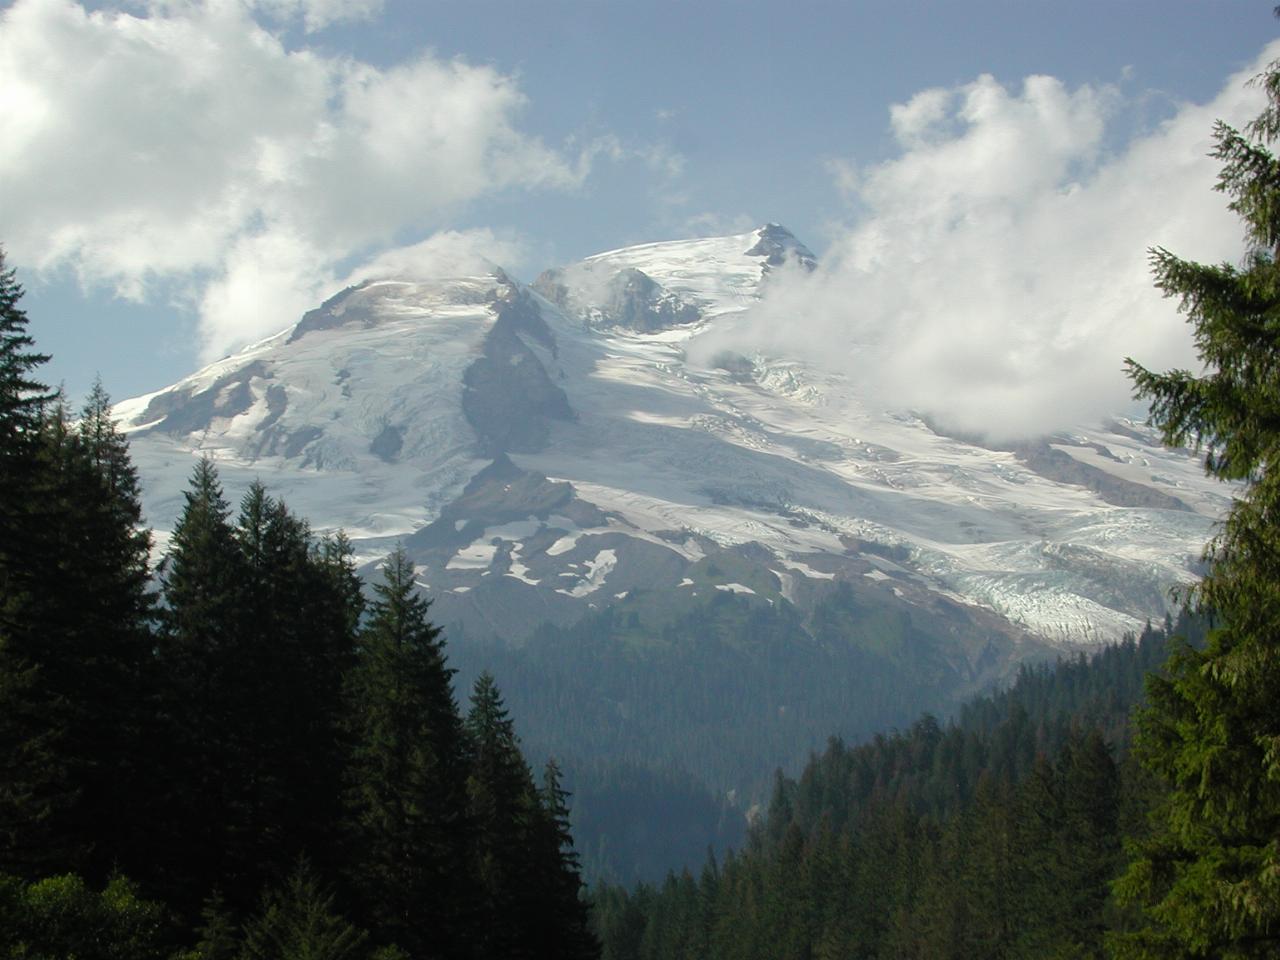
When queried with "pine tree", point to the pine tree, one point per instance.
{"points": [[410, 834], [1209, 876]]}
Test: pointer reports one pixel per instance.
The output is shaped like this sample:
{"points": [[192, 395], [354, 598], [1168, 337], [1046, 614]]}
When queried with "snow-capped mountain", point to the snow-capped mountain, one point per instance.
{"points": [[548, 449]]}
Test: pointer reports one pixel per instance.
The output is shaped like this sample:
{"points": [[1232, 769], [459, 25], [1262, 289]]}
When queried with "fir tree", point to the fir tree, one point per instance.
{"points": [[206, 837], [406, 796], [1209, 876], [564, 926], [504, 808]]}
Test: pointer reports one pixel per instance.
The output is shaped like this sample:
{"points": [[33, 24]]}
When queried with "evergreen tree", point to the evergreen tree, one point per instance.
{"points": [[206, 837], [75, 634], [297, 646], [564, 926], [31, 785], [410, 834], [1209, 876], [22, 404], [504, 808], [300, 922]]}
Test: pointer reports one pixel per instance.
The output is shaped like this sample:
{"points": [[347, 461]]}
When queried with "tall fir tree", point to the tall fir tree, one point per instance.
{"points": [[564, 924], [1208, 877], [75, 635], [504, 807], [409, 831], [28, 742], [206, 837]]}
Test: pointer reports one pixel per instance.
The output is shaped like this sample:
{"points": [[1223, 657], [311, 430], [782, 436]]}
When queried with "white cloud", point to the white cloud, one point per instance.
{"points": [[318, 14], [998, 277], [188, 143], [450, 253]]}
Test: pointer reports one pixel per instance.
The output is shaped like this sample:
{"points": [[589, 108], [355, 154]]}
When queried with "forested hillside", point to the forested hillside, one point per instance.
{"points": [[254, 762], [995, 835]]}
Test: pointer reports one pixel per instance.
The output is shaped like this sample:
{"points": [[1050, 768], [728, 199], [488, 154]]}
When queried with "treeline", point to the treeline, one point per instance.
{"points": [[997, 835], [251, 761]]}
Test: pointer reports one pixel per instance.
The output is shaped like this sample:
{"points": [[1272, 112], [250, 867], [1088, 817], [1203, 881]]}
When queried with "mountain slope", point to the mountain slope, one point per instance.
{"points": [[621, 463]]}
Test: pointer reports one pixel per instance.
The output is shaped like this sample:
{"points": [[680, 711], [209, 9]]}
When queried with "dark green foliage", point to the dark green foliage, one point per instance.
{"points": [[527, 871], [1205, 881], [60, 918], [75, 647], [410, 835], [994, 836], [300, 922]]}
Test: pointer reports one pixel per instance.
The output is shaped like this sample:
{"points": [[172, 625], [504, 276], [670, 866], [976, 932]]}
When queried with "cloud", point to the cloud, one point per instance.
{"points": [[186, 144], [998, 277], [318, 14], [450, 253]]}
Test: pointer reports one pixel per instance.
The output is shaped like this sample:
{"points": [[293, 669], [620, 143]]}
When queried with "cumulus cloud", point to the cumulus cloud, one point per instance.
{"points": [[997, 276], [186, 143]]}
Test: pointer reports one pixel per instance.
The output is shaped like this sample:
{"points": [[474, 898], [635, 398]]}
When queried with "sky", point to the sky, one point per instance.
{"points": [[981, 181]]}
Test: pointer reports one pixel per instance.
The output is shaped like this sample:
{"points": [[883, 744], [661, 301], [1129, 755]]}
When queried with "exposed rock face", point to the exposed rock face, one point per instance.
{"points": [[334, 312], [631, 300], [638, 303], [508, 397], [777, 245], [185, 409]]}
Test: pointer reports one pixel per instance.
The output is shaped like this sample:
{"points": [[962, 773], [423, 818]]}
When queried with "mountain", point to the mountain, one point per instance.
{"points": [[653, 547], [549, 448]]}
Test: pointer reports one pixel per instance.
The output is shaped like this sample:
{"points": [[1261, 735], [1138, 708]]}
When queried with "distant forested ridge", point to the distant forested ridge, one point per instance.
{"points": [[253, 760], [995, 835]]}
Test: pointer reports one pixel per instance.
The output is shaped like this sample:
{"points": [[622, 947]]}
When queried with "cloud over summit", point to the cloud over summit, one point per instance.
{"points": [[995, 274], [186, 143]]}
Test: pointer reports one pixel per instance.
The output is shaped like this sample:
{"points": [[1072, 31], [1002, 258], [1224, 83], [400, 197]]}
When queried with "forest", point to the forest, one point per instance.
{"points": [[242, 753], [249, 760]]}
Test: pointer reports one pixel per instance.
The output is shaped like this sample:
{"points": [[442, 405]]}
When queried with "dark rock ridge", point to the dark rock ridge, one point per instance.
{"points": [[777, 245], [638, 302], [507, 396], [633, 300], [334, 312], [187, 410]]}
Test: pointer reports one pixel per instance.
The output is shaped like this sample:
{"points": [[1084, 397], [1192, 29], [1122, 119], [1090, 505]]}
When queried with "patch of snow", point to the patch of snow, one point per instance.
{"points": [[563, 545], [734, 588], [477, 556], [598, 569]]}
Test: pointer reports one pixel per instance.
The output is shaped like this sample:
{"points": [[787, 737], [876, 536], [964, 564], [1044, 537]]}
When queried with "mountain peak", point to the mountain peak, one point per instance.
{"points": [[777, 244]]}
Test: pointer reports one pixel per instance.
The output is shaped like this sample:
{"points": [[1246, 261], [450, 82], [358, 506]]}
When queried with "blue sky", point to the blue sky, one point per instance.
{"points": [[179, 178]]}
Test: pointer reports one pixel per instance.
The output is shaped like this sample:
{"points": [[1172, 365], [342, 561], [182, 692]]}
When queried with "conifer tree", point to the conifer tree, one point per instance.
{"points": [[1209, 876], [410, 834], [564, 928], [75, 634], [504, 808], [206, 837], [28, 740]]}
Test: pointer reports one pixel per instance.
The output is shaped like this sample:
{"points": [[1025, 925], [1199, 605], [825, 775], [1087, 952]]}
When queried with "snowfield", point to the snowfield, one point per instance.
{"points": [[356, 418]]}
